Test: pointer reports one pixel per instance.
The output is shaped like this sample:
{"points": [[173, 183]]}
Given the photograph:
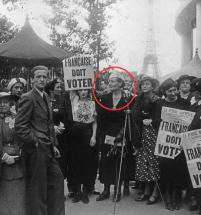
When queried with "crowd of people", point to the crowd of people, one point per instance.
{"points": [[49, 135]]}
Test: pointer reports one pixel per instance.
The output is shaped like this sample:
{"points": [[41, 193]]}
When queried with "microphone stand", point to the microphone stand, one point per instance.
{"points": [[127, 122]]}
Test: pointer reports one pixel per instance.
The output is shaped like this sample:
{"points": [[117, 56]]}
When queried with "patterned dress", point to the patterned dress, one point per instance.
{"points": [[147, 165]]}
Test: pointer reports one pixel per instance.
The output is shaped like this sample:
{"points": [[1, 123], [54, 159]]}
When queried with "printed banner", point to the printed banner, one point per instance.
{"points": [[78, 72], [191, 142], [174, 122]]}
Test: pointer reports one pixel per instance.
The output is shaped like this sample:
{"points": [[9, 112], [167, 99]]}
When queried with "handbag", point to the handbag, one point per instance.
{"points": [[115, 148]]}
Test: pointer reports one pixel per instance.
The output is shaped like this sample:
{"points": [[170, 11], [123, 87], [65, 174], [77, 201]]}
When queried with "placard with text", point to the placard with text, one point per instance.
{"points": [[191, 142], [78, 72], [174, 122]]}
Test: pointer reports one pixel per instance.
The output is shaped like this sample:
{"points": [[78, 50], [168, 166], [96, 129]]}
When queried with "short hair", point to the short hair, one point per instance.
{"points": [[40, 67], [51, 85], [166, 85], [89, 96]]}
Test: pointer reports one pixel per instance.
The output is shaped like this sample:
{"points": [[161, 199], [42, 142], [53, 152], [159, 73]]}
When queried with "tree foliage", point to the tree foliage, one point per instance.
{"points": [[100, 46], [66, 31], [76, 38], [7, 29]]}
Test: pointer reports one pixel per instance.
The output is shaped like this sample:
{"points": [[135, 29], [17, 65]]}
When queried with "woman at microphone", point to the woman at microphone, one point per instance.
{"points": [[111, 124]]}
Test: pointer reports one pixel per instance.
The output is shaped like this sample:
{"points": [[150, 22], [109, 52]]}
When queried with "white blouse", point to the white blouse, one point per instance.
{"points": [[83, 111]]}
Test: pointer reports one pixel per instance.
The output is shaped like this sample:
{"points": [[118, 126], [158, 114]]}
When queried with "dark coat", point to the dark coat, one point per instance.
{"points": [[62, 113], [34, 122], [111, 123], [35, 127], [174, 172]]}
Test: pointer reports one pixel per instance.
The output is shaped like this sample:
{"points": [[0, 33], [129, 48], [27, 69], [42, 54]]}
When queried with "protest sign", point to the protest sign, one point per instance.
{"points": [[78, 72], [174, 122], [191, 142]]}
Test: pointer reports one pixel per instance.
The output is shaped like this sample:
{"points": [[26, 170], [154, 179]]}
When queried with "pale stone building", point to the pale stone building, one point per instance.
{"points": [[188, 26]]}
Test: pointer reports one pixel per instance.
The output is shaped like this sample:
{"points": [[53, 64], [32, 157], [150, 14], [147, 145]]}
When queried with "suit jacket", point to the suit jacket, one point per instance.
{"points": [[34, 120]]}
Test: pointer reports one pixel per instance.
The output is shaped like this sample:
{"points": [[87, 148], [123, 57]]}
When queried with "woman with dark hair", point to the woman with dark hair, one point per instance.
{"points": [[184, 86], [12, 182], [147, 165], [174, 172], [83, 139], [60, 109]]}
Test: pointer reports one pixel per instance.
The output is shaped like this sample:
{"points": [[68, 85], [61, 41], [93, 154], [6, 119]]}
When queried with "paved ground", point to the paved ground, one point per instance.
{"points": [[127, 206]]}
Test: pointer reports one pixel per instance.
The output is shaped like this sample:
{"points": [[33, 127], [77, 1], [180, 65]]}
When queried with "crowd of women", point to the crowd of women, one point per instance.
{"points": [[90, 140]]}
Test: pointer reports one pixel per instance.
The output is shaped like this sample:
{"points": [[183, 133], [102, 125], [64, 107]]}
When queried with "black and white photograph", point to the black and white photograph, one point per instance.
{"points": [[100, 107]]}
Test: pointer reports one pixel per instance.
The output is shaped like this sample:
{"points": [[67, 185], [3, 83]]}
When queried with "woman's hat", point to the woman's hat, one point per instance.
{"points": [[117, 74], [184, 77], [167, 84], [154, 82], [5, 94], [13, 81]]}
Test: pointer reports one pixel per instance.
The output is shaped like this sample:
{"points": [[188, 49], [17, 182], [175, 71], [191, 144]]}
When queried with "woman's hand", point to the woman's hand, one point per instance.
{"points": [[92, 141], [136, 151], [8, 159], [56, 152], [147, 122], [58, 129]]}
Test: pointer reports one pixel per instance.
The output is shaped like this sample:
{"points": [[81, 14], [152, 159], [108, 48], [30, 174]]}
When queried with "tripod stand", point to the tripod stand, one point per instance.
{"points": [[127, 122]]}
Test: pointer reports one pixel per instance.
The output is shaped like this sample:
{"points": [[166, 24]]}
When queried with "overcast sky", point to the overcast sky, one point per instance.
{"points": [[128, 28], [130, 32]]}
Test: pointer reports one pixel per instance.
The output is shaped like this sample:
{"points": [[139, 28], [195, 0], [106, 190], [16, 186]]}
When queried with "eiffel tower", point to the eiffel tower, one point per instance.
{"points": [[150, 63]]}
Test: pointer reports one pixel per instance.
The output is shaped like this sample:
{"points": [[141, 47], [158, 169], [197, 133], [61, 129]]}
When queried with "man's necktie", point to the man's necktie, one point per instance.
{"points": [[47, 107]]}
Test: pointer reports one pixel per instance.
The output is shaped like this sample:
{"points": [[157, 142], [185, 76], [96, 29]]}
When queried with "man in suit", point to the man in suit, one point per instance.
{"points": [[34, 126]]}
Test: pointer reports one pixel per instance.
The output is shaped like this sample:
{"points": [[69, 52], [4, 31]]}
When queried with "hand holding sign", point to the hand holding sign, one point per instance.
{"points": [[147, 122]]}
